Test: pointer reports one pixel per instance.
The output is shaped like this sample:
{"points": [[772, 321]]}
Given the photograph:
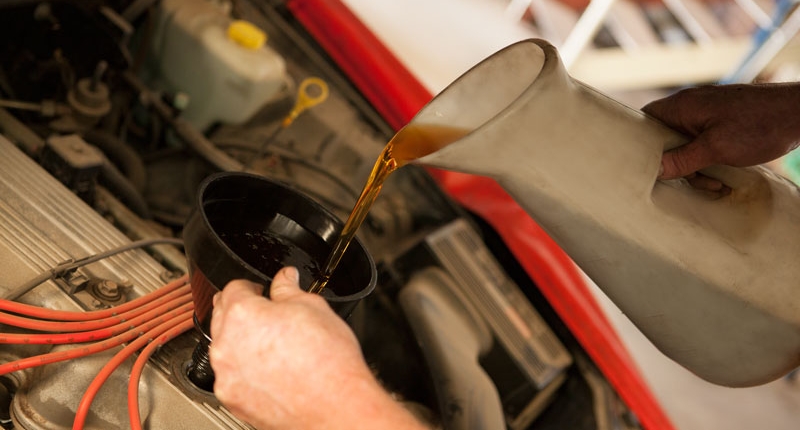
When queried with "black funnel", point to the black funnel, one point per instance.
{"points": [[245, 226]]}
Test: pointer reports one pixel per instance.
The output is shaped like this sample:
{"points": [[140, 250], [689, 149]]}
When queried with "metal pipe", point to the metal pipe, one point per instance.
{"points": [[186, 131]]}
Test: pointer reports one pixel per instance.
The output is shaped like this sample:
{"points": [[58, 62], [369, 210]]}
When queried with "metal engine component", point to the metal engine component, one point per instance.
{"points": [[42, 223], [54, 387], [75, 163], [142, 184], [89, 100]]}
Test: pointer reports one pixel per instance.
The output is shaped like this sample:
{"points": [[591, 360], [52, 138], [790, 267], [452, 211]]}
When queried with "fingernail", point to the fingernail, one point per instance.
{"points": [[291, 274]]}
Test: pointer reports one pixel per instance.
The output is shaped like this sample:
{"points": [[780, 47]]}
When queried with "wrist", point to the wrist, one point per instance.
{"points": [[367, 405]]}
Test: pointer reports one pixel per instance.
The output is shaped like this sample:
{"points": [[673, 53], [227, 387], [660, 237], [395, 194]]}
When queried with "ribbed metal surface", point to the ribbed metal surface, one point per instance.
{"points": [[517, 325], [42, 223]]}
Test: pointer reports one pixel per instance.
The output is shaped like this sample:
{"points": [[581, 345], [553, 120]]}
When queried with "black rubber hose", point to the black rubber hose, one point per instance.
{"points": [[128, 160], [186, 131], [119, 185]]}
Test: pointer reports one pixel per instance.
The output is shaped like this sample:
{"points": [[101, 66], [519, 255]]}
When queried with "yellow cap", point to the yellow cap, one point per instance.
{"points": [[246, 34]]}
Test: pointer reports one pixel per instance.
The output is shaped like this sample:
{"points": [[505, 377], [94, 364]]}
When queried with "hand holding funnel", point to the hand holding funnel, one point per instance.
{"points": [[248, 227]]}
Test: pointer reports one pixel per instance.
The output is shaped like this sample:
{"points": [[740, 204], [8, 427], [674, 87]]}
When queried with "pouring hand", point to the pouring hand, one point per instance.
{"points": [[291, 362], [737, 125]]}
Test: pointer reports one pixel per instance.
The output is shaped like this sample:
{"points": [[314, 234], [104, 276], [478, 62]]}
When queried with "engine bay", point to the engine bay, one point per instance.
{"points": [[111, 115]]}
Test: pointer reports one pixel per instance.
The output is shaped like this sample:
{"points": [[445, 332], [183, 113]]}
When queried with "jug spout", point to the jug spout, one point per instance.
{"points": [[709, 280]]}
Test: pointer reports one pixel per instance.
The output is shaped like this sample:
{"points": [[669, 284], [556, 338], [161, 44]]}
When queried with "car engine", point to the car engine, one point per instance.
{"points": [[111, 115]]}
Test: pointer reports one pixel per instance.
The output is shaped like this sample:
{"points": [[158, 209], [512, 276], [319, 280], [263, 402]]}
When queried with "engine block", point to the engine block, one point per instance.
{"points": [[42, 224]]}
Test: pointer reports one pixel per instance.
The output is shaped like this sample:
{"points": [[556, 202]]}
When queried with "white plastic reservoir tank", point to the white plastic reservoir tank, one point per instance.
{"points": [[223, 65]]}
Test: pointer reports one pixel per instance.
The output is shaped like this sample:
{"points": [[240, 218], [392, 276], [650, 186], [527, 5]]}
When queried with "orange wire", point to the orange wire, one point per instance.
{"points": [[138, 367], [84, 350], [148, 311], [54, 314], [117, 360], [74, 326], [158, 317]]}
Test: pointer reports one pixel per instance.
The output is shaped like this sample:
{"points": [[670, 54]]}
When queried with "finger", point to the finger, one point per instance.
{"points": [[667, 111], [705, 183], [234, 292], [285, 284], [661, 109], [237, 290], [687, 159]]}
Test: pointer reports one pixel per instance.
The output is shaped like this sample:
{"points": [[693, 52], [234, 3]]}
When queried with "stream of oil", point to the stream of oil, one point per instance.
{"points": [[410, 143]]}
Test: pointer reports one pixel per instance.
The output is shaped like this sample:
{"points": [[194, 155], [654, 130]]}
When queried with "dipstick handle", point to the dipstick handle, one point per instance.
{"points": [[312, 91]]}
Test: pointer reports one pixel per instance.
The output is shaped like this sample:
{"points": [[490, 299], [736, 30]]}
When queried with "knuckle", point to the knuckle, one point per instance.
{"points": [[314, 299], [671, 166], [680, 165], [237, 312]]}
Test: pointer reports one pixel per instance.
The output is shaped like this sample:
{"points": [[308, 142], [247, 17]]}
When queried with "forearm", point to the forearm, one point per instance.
{"points": [[355, 402], [374, 409]]}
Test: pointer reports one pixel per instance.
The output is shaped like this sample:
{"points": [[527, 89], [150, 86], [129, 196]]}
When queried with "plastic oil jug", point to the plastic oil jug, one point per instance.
{"points": [[711, 281], [223, 65]]}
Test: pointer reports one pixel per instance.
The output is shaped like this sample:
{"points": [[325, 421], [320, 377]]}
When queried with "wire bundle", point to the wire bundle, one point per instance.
{"points": [[144, 323]]}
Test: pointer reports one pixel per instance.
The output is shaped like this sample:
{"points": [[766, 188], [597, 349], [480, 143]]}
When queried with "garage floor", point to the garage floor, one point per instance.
{"points": [[438, 40]]}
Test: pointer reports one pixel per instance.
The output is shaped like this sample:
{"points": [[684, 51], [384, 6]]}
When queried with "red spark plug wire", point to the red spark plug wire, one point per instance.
{"points": [[71, 326], [84, 350], [156, 318], [116, 361], [138, 367], [61, 315], [140, 316]]}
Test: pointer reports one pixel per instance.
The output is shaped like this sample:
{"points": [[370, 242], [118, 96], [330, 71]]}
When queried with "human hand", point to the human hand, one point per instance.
{"points": [[736, 125], [291, 362]]}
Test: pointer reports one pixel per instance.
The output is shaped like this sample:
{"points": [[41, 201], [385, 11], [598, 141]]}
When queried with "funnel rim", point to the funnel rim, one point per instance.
{"points": [[360, 294]]}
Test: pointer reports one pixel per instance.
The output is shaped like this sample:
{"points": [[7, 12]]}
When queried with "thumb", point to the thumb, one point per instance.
{"points": [[285, 284], [687, 159]]}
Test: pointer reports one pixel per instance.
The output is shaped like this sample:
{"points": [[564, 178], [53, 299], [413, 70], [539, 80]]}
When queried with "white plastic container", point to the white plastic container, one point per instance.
{"points": [[228, 73], [711, 281]]}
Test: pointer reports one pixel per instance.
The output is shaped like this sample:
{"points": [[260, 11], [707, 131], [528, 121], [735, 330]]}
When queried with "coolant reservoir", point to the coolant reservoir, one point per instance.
{"points": [[223, 65]]}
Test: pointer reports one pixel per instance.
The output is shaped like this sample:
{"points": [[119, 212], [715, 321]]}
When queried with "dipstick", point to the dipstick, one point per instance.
{"points": [[312, 91]]}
